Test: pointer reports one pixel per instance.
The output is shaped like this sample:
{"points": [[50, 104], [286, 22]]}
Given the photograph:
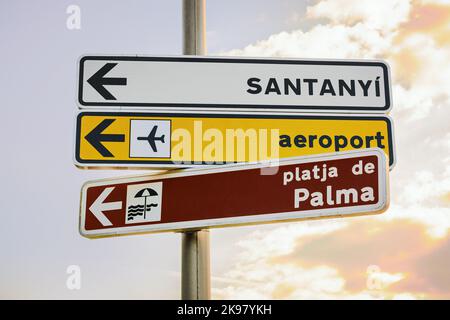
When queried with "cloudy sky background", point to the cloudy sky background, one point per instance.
{"points": [[402, 254]]}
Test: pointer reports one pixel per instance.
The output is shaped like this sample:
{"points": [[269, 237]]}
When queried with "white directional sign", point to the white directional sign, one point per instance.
{"points": [[193, 83]]}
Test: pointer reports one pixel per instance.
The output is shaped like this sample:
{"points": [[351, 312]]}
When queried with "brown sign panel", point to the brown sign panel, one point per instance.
{"points": [[348, 183]]}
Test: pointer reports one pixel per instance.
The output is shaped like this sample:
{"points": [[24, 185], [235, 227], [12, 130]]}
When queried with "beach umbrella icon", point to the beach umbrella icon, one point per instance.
{"points": [[145, 193]]}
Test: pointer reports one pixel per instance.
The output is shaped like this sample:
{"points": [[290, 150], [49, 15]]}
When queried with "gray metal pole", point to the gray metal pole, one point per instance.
{"points": [[195, 258], [195, 272], [194, 27]]}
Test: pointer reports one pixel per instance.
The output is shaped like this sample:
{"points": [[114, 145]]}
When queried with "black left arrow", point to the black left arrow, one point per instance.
{"points": [[96, 137], [98, 81]]}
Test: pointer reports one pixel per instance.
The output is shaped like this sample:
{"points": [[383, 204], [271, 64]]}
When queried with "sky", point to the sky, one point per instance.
{"points": [[401, 254]]}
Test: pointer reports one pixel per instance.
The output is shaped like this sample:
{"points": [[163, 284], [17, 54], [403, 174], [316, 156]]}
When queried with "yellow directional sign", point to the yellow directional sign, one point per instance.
{"points": [[134, 139]]}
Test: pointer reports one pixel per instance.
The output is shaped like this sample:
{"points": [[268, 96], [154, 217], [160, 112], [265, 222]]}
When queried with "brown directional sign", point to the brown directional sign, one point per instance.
{"points": [[348, 183]]}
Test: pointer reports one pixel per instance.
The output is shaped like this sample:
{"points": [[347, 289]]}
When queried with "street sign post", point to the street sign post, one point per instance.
{"points": [[206, 83], [133, 139], [336, 185]]}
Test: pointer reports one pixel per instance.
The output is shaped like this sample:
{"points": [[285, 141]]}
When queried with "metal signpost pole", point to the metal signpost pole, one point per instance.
{"points": [[195, 253]]}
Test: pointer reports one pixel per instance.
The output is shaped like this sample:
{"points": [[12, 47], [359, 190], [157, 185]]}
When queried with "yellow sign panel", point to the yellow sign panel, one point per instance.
{"points": [[119, 139]]}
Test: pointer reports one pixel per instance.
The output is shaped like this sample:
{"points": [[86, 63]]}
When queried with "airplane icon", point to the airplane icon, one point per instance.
{"points": [[152, 138]]}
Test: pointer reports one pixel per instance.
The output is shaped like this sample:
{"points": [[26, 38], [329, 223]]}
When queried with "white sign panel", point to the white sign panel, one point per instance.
{"points": [[205, 83]]}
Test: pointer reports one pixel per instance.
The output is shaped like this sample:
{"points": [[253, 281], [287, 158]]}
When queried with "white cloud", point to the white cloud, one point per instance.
{"points": [[322, 41], [282, 240], [404, 296], [422, 78], [425, 188], [435, 219], [381, 15], [387, 279], [281, 281]]}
